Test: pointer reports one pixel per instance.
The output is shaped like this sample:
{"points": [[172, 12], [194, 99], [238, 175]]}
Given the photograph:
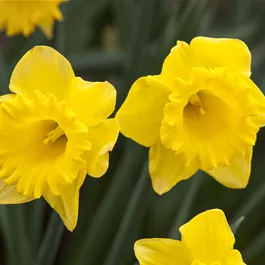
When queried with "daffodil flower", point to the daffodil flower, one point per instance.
{"points": [[54, 131], [202, 112], [205, 240], [20, 16]]}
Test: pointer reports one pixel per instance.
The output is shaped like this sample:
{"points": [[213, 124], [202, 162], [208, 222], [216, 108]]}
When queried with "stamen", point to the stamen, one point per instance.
{"points": [[53, 135], [196, 102]]}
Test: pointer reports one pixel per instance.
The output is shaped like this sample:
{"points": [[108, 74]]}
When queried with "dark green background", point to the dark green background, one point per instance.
{"points": [[118, 41]]}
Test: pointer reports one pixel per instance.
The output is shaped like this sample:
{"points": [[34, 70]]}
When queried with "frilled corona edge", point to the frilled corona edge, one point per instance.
{"points": [[201, 112], [56, 130], [22, 17]]}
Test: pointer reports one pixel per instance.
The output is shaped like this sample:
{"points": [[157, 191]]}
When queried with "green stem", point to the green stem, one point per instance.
{"points": [[184, 211], [123, 242], [35, 226], [236, 225], [13, 224], [251, 203], [100, 228], [140, 34], [7, 231]]}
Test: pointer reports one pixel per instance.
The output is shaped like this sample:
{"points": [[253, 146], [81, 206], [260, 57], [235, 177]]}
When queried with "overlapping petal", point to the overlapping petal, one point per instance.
{"points": [[158, 251], [66, 204], [141, 114], [92, 102], [43, 69], [103, 138], [236, 175], [167, 168], [9, 194], [233, 258], [208, 53], [208, 236]]}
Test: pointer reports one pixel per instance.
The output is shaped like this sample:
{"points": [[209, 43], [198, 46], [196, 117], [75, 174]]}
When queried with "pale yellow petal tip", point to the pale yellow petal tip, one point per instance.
{"points": [[160, 187], [70, 225], [6, 97], [137, 244], [42, 49]]}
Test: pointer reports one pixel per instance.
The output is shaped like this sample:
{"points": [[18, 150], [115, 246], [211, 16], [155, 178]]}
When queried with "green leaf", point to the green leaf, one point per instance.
{"points": [[185, 209], [235, 226], [14, 228], [51, 241], [104, 220], [251, 203], [124, 240]]}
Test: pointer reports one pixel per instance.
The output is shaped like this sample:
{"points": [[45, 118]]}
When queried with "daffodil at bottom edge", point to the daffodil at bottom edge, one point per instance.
{"points": [[205, 240], [168, 168]]}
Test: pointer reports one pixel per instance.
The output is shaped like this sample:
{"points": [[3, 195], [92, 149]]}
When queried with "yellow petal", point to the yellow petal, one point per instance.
{"points": [[177, 63], [6, 97], [158, 251], [66, 205], [141, 114], [167, 169], [236, 175], [103, 138], [97, 165], [9, 195], [234, 258], [257, 97], [222, 52], [209, 53], [43, 69], [208, 236], [92, 102], [47, 27]]}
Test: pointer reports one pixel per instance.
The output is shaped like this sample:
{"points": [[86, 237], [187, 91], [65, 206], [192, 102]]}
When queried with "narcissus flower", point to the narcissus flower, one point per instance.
{"points": [[20, 16], [201, 112], [54, 131], [205, 240]]}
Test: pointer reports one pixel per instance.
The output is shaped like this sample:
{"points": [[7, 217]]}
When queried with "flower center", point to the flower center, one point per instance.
{"points": [[196, 102], [53, 135], [54, 140]]}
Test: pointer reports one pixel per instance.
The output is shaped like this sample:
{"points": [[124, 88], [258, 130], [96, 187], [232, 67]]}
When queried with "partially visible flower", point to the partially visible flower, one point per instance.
{"points": [[20, 16], [205, 240], [202, 112], [54, 131]]}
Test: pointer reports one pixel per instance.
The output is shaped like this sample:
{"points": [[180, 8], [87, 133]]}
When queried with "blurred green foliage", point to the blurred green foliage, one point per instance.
{"points": [[118, 41]]}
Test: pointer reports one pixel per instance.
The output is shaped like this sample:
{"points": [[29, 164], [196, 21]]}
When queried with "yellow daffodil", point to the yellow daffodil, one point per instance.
{"points": [[205, 240], [54, 131], [201, 112], [20, 16]]}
